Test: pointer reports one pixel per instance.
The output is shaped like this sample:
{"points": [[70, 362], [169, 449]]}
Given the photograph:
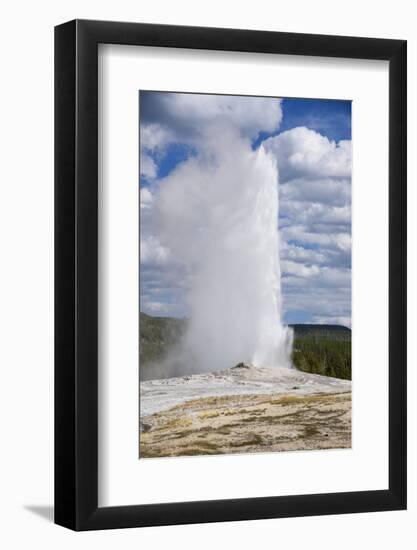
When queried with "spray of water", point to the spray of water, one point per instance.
{"points": [[218, 215]]}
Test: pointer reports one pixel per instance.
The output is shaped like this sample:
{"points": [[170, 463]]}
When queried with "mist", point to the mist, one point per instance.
{"points": [[217, 214]]}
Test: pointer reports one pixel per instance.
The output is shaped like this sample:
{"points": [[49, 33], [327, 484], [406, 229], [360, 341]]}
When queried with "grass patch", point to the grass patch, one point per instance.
{"points": [[288, 400], [254, 439], [311, 431]]}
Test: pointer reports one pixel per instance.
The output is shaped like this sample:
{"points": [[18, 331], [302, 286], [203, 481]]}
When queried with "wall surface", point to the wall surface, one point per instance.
{"points": [[26, 290]]}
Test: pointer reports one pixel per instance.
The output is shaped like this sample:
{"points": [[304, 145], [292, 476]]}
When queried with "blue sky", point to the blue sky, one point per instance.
{"points": [[330, 118], [311, 140]]}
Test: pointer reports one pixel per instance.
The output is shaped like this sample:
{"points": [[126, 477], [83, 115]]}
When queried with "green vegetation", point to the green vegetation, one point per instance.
{"points": [[326, 356], [157, 336], [318, 349]]}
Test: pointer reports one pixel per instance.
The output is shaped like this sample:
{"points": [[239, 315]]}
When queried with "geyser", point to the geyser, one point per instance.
{"points": [[218, 215]]}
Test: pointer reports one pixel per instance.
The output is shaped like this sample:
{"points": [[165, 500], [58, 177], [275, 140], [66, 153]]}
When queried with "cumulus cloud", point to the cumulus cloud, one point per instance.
{"points": [[340, 241], [297, 253], [330, 191], [146, 198], [165, 283], [330, 277], [304, 153], [180, 117], [315, 222], [289, 267], [315, 213], [151, 251], [154, 137], [148, 168], [333, 320]]}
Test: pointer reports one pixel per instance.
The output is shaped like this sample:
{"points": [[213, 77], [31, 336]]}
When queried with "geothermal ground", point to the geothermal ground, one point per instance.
{"points": [[244, 409]]}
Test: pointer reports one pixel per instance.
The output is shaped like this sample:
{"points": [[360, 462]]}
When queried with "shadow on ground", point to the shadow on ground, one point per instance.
{"points": [[45, 512]]}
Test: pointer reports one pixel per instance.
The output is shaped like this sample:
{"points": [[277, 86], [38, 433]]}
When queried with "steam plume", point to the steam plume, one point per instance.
{"points": [[218, 214]]}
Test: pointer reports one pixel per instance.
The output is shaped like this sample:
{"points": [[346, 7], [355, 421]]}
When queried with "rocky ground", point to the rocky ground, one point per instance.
{"points": [[244, 409]]}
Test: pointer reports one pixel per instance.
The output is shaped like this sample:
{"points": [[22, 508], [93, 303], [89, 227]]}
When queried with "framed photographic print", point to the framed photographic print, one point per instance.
{"points": [[230, 253]]}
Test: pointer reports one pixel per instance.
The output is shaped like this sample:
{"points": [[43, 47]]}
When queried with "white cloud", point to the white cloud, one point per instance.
{"points": [[315, 213], [155, 137], [300, 254], [152, 252], [331, 191], [325, 276], [183, 116], [302, 152], [333, 320], [146, 198], [339, 241], [148, 168], [317, 298], [298, 269], [155, 307]]}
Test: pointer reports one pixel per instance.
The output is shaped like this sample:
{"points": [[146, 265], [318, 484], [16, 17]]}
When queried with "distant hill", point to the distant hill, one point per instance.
{"points": [[331, 332], [157, 335]]}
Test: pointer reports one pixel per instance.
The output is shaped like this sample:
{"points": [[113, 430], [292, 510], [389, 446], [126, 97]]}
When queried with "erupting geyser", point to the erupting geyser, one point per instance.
{"points": [[219, 217]]}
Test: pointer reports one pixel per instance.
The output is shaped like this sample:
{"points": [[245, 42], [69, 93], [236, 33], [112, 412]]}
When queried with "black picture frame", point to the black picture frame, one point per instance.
{"points": [[76, 272]]}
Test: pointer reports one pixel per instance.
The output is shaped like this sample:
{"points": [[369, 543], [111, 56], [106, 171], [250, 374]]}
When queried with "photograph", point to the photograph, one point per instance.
{"points": [[245, 274]]}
